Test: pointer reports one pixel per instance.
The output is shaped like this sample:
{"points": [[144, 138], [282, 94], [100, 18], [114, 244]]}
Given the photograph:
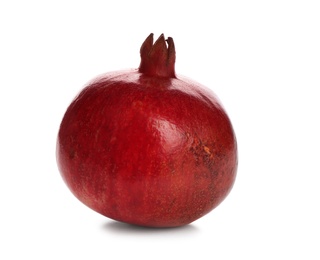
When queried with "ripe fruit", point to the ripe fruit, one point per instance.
{"points": [[148, 147]]}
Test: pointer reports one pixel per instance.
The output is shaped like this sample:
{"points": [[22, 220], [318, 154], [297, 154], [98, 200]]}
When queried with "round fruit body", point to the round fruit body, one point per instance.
{"points": [[146, 150]]}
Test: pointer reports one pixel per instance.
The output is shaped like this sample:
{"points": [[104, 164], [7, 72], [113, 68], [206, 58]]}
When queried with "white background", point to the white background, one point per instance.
{"points": [[262, 58]]}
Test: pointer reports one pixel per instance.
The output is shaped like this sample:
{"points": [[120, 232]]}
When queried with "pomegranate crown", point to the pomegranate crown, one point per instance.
{"points": [[158, 59]]}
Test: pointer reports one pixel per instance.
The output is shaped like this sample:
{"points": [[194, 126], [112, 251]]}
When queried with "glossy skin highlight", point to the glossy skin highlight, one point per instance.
{"points": [[147, 150]]}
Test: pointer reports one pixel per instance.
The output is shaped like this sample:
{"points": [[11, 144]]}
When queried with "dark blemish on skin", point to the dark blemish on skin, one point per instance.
{"points": [[202, 153], [72, 153]]}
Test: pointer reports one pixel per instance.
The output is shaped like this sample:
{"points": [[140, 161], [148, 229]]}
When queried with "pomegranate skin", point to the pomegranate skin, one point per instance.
{"points": [[146, 150]]}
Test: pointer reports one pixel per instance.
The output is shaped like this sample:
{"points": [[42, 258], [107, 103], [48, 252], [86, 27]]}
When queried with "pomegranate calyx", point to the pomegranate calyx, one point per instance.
{"points": [[158, 59]]}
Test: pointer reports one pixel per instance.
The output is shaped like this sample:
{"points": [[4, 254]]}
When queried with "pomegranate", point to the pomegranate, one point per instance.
{"points": [[148, 147]]}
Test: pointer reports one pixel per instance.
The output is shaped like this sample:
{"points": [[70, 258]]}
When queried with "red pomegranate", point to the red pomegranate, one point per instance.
{"points": [[146, 146]]}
